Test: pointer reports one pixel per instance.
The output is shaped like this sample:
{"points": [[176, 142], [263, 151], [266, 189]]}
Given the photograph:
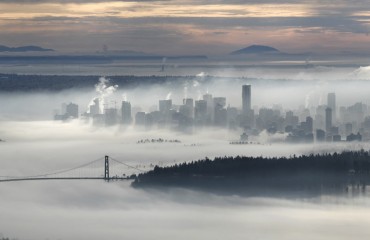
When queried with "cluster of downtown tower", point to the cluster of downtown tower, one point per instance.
{"points": [[324, 123]]}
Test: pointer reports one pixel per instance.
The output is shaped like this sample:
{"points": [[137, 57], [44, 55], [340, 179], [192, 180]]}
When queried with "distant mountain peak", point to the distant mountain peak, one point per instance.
{"points": [[24, 49], [255, 49]]}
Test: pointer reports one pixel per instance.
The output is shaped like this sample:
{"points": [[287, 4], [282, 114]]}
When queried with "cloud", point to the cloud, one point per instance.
{"points": [[77, 1], [186, 24]]}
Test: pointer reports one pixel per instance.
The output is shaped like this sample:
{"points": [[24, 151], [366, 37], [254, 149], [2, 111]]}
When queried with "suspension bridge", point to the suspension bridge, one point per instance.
{"points": [[105, 168]]}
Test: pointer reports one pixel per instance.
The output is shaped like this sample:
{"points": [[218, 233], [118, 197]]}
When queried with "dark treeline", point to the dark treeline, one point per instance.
{"points": [[307, 173], [15, 82], [94, 59]]}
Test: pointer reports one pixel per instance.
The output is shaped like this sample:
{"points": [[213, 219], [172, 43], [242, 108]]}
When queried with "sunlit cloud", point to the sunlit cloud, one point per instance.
{"points": [[151, 9], [133, 24]]}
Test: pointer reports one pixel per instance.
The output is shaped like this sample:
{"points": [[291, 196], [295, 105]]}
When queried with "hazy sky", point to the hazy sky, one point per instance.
{"points": [[187, 26]]}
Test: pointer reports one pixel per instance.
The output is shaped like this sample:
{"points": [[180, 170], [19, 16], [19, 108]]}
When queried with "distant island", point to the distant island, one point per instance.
{"points": [[255, 49], [308, 174], [24, 49], [159, 140]]}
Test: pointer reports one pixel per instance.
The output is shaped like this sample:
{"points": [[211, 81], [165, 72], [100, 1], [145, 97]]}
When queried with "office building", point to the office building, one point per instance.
{"points": [[328, 120], [71, 110], [126, 112], [332, 104], [246, 99]]}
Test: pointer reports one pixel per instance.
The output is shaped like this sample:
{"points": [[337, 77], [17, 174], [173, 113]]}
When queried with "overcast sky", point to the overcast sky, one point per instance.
{"points": [[187, 26]]}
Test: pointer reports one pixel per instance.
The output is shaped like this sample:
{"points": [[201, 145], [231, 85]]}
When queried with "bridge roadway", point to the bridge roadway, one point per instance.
{"points": [[66, 178], [48, 176]]}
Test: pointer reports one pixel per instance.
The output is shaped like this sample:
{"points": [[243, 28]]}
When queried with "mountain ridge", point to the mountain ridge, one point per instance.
{"points": [[255, 49], [29, 48]]}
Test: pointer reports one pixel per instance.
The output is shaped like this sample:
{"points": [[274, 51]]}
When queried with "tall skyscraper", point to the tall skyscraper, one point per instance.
{"points": [[126, 112], [246, 98], [220, 113], [328, 120], [189, 104], [200, 112], [110, 116], [309, 125], [332, 104], [210, 110]]}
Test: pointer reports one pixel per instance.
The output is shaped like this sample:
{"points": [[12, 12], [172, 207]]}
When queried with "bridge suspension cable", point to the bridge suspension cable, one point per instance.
{"points": [[65, 170], [53, 173], [127, 165], [89, 170]]}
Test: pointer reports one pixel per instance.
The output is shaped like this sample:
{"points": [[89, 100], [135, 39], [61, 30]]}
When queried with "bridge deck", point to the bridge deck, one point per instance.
{"points": [[66, 178]]}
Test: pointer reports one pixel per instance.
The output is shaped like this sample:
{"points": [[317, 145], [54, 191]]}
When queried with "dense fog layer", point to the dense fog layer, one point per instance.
{"points": [[117, 211], [34, 144], [95, 210]]}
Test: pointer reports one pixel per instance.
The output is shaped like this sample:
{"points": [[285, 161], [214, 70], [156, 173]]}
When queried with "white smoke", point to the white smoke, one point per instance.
{"points": [[362, 73], [124, 96], [307, 100], [168, 97], [103, 92], [185, 92], [201, 74]]}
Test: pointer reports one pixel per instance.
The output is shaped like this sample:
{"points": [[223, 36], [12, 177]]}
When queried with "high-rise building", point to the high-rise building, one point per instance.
{"points": [[72, 110], [165, 106], [110, 116], [200, 109], [95, 108], [189, 105], [126, 112], [332, 104], [246, 99], [328, 120], [219, 111], [309, 125], [348, 128], [207, 97], [140, 118], [210, 110], [200, 112], [232, 116], [165, 112], [320, 135]]}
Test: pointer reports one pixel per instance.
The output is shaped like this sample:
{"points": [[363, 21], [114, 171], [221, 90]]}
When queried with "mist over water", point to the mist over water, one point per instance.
{"points": [[98, 210], [95, 210]]}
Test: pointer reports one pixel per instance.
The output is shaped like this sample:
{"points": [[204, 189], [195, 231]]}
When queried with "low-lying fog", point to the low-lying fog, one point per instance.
{"points": [[98, 210]]}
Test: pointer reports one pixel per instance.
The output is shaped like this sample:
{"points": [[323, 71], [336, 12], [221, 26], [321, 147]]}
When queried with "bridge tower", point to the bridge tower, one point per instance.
{"points": [[106, 169]]}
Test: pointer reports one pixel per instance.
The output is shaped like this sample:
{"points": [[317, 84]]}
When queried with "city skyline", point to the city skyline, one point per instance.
{"points": [[315, 124]]}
